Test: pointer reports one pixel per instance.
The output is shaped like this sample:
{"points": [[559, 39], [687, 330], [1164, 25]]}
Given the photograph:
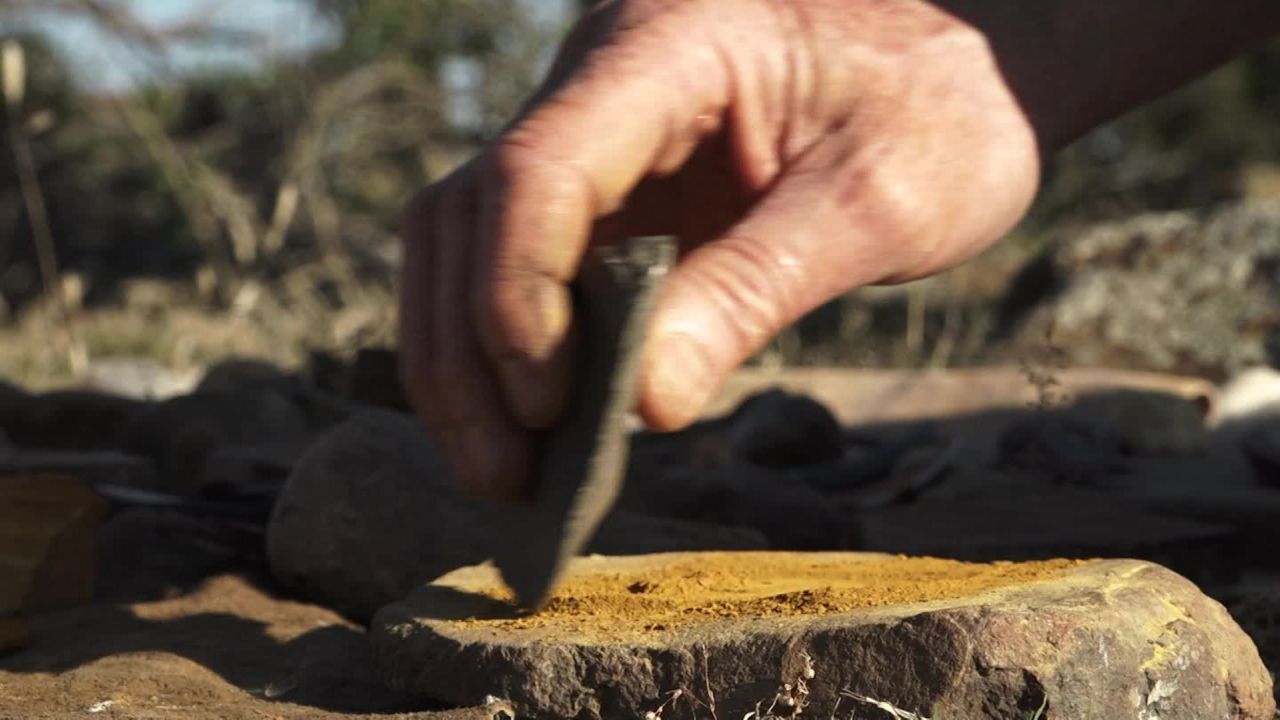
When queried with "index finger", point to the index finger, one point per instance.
{"points": [[635, 106]]}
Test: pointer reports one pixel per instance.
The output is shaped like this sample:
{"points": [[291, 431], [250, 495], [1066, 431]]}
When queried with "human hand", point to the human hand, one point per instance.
{"points": [[798, 150]]}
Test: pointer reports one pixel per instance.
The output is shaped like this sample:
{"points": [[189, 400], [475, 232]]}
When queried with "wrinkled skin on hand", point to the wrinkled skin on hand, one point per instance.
{"points": [[798, 148]]}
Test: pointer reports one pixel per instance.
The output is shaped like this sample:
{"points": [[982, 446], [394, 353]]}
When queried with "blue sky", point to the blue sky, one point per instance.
{"points": [[103, 62], [289, 27]]}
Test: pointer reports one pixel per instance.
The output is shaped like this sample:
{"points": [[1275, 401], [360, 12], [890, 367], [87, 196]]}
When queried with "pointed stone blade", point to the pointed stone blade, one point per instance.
{"points": [[582, 461]]}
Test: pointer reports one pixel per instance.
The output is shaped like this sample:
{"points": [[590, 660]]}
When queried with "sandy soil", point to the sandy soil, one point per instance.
{"points": [[228, 650]]}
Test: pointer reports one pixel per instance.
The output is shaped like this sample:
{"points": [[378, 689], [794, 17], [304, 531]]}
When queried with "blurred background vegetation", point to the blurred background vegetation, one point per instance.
{"points": [[250, 207]]}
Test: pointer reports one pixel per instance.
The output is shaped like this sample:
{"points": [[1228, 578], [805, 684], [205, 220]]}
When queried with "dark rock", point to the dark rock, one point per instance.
{"points": [[788, 512], [1061, 450], [1109, 639], [1145, 422], [770, 428], [13, 634], [149, 554], [1019, 519], [371, 511], [374, 379], [779, 429], [626, 533], [67, 419], [1176, 292], [93, 467], [181, 434], [246, 373]]}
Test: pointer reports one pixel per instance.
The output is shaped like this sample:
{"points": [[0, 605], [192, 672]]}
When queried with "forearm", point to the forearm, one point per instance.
{"points": [[1075, 64]]}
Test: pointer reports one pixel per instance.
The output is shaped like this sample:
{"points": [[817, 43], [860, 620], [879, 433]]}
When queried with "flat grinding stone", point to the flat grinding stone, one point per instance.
{"points": [[1070, 639]]}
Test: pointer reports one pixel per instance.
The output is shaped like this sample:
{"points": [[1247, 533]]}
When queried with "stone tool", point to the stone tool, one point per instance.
{"points": [[582, 461]]}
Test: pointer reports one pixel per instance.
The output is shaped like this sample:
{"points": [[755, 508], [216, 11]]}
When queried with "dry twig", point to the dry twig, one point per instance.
{"points": [[13, 60]]}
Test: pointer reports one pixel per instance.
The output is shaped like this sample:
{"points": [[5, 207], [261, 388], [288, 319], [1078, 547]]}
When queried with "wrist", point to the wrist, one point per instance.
{"points": [[1076, 64]]}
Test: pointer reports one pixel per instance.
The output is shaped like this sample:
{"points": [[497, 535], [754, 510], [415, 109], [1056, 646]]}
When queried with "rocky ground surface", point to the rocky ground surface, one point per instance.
{"points": [[1117, 464], [190, 502], [1186, 292]]}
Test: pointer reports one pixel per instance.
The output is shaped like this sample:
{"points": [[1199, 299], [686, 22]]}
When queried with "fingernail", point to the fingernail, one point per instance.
{"points": [[681, 379]]}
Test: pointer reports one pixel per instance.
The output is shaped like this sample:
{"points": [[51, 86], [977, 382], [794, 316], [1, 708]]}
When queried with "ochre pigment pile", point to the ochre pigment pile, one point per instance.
{"points": [[708, 587]]}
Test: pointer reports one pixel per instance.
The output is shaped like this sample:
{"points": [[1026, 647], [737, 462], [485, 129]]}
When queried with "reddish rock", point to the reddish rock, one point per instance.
{"points": [[1108, 639]]}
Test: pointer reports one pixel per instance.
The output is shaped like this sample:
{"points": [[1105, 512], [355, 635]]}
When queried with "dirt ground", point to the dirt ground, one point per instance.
{"points": [[230, 650], [227, 650]]}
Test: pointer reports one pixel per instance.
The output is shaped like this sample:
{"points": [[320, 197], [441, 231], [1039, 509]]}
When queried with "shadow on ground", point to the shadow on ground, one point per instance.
{"points": [[269, 648]]}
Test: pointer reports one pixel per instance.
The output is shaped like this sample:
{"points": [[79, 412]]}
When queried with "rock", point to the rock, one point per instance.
{"points": [[764, 467], [1103, 639], [627, 533], [1144, 421], [93, 467], [1248, 414], [235, 374], [367, 513], [1178, 292], [1252, 395], [181, 434], [248, 475], [13, 634], [1061, 448], [779, 429], [1182, 490], [47, 526], [370, 511], [785, 509], [371, 377], [147, 554], [497, 710], [1019, 520], [138, 378], [1252, 603], [374, 379], [67, 419]]}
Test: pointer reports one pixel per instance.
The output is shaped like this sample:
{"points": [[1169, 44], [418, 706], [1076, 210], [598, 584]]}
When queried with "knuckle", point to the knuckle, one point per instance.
{"points": [[513, 154], [524, 165], [878, 194]]}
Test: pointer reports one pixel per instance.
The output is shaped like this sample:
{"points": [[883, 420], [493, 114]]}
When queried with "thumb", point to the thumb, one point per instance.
{"points": [[727, 298]]}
